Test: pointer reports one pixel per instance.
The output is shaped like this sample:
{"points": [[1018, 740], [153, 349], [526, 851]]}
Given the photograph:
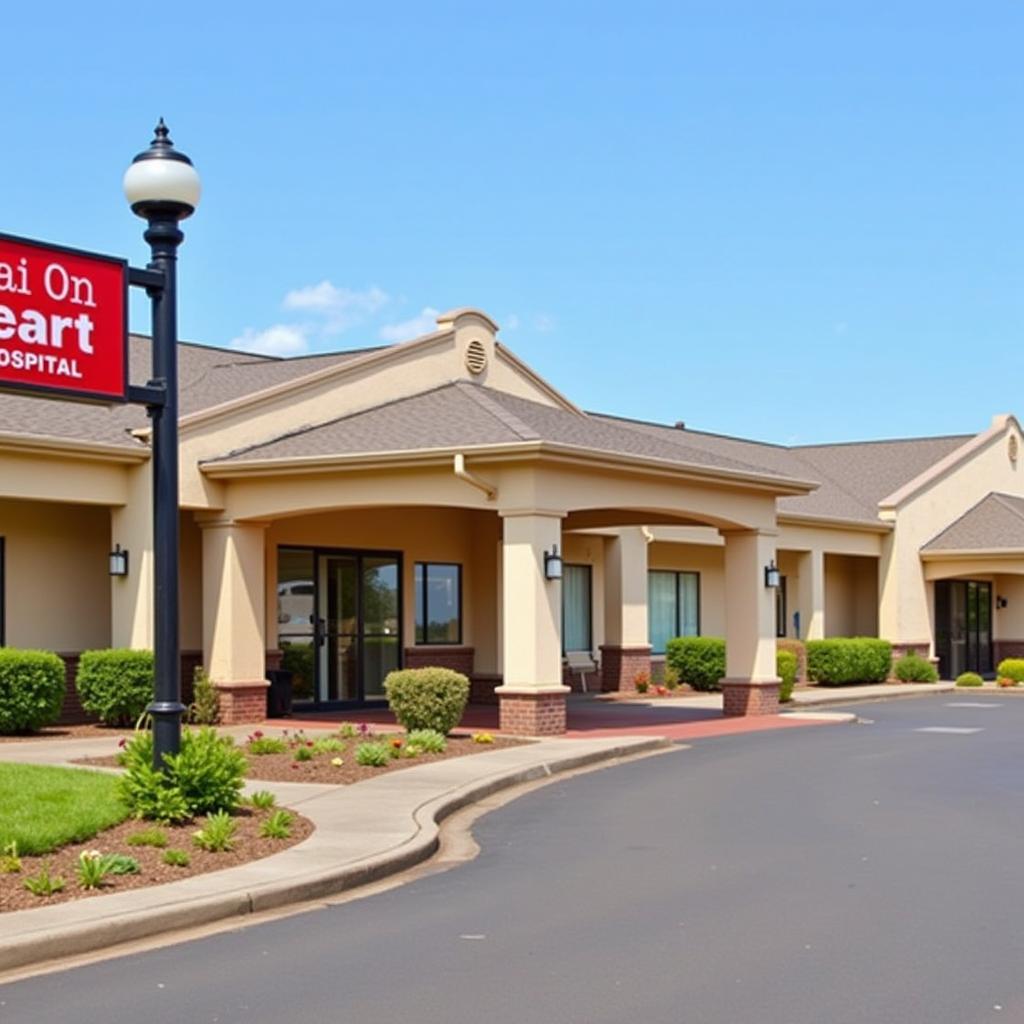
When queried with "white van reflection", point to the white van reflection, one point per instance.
{"points": [[295, 607]]}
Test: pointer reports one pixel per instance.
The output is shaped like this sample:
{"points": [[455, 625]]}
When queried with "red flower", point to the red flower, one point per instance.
{"points": [[295, 767], [309, 743], [122, 743]]}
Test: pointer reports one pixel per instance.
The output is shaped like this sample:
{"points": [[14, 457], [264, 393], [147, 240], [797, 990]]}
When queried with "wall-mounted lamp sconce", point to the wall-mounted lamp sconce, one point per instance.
{"points": [[1001, 602], [771, 575], [552, 564], [118, 561]]}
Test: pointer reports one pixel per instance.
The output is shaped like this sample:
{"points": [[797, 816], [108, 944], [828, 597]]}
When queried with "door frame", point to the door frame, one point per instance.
{"points": [[944, 632]]}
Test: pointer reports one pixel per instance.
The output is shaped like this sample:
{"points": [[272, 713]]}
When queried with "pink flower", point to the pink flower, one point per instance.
{"points": [[122, 743]]}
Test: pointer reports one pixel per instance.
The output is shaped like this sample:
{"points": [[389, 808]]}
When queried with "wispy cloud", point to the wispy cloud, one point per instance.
{"points": [[339, 308], [424, 323], [544, 322], [511, 322], [279, 340]]}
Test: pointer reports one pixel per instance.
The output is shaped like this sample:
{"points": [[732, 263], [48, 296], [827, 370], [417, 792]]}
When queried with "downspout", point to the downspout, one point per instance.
{"points": [[471, 478]]}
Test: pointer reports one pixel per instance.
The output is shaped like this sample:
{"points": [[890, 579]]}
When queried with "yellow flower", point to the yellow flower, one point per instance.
{"points": [[337, 762], [482, 737]]}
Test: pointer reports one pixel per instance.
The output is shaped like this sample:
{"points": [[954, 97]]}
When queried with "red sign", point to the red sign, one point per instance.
{"points": [[63, 321]]}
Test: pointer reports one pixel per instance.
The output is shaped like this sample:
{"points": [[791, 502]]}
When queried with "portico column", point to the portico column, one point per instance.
{"points": [[812, 595], [750, 686], [626, 651], [234, 599], [531, 698]]}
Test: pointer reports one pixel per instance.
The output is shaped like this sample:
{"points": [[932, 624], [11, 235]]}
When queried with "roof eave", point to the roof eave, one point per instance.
{"points": [[963, 554], [96, 451], [835, 522]]}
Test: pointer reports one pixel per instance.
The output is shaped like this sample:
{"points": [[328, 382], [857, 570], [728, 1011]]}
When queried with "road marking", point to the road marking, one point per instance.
{"points": [[948, 729], [973, 704]]}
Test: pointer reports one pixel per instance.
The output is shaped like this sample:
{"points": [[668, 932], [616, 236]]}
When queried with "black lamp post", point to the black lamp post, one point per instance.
{"points": [[163, 188]]}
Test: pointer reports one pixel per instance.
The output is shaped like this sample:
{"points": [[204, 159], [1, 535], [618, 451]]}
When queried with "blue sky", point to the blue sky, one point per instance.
{"points": [[799, 222]]}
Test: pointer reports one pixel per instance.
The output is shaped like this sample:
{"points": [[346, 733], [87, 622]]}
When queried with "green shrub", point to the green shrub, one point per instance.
{"points": [[218, 834], [844, 660], [427, 698], [1011, 668], [31, 689], [699, 660], [969, 679], [912, 668], [205, 706], [177, 858], [277, 825], [115, 685], [799, 649], [304, 753], [259, 745], [785, 668], [262, 800], [148, 837], [328, 745], [206, 776]]}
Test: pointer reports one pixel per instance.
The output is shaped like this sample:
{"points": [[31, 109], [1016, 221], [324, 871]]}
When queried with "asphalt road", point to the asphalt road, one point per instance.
{"points": [[837, 875]]}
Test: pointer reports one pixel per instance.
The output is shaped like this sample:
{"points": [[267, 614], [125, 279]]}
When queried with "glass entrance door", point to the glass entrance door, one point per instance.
{"points": [[963, 627], [358, 625]]}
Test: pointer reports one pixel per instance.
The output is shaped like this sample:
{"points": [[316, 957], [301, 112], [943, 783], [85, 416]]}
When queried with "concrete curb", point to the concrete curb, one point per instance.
{"points": [[315, 868]]}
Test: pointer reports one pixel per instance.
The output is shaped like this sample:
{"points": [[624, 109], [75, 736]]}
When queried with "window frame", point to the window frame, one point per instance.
{"points": [[678, 574], [590, 606], [425, 642]]}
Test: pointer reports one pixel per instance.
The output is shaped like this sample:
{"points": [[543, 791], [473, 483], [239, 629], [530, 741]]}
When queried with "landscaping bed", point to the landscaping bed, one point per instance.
{"points": [[81, 731], [320, 767]]}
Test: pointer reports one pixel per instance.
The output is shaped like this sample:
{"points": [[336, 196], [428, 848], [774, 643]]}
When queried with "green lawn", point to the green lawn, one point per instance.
{"points": [[42, 808]]}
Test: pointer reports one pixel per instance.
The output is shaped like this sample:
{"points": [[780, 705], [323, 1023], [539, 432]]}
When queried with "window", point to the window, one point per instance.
{"points": [[438, 603], [673, 606], [576, 614]]}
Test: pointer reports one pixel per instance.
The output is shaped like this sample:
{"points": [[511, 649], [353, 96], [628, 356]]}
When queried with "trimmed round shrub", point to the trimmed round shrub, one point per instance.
{"points": [[204, 777], [785, 667], [31, 689], [912, 668], [427, 698], [116, 685], [969, 679], [699, 660], [1011, 668], [844, 660]]}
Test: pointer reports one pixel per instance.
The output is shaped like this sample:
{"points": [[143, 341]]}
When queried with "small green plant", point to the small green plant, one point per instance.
{"points": [[44, 884], [912, 668], [427, 698], [304, 754], [262, 799], [148, 837], [428, 740], [348, 731], [328, 745], [969, 679], [277, 826], [218, 835], [177, 858], [785, 668], [205, 706], [373, 755], [670, 677], [10, 862], [121, 864], [260, 745], [93, 867]]}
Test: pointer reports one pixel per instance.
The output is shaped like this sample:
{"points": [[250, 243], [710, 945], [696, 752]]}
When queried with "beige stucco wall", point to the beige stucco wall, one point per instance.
{"points": [[851, 588], [57, 583], [190, 576], [905, 607]]}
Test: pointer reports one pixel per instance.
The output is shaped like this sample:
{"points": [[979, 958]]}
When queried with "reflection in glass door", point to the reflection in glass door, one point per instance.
{"points": [[338, 628]]}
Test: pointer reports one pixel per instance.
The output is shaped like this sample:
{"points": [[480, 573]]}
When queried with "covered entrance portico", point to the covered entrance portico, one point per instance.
{"points": [[327, 569]]}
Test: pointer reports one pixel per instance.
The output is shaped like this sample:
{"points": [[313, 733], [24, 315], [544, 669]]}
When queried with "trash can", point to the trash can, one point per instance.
{"points": [[279, 693]]}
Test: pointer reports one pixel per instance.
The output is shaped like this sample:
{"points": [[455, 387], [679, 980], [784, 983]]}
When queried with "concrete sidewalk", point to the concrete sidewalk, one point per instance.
{"points": [[363, 832]]}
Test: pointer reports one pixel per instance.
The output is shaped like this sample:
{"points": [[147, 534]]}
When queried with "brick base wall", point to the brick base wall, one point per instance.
{"points": [[741, 699], [620, 665], [458, 659], [1006, 649], [481, 689], [241, 703], [901, 649], [532, 714]]}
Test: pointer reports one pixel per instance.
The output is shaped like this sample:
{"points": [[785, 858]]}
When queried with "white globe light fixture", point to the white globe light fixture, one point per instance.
{"points": [[162, 180]]}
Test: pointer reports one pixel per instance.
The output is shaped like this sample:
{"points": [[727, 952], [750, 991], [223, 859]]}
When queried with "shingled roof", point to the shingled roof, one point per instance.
{"points": [[996, 523]]}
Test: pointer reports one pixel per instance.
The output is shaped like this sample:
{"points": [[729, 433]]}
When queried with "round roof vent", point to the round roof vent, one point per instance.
{"points": [[476, 357]]}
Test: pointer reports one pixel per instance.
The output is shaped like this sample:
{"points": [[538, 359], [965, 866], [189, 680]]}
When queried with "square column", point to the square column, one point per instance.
{"points": [[811, 597], [234, 617], [750, 686], [531, 698], [627, 650]]}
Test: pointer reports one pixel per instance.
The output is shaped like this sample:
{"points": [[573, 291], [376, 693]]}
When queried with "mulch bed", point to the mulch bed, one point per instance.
{"points": [[85, 731], [249, 845], [284, 767]]}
